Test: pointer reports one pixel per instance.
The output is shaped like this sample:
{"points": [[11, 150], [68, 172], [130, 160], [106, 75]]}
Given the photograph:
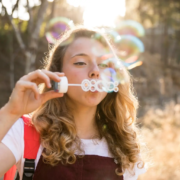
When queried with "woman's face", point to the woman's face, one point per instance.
{"points": [[83, 60]]}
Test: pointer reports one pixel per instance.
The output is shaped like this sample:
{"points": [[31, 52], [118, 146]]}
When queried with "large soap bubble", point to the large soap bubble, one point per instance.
{"points": [[129, 48], [56, 27], [113, 35], [130, 27]]}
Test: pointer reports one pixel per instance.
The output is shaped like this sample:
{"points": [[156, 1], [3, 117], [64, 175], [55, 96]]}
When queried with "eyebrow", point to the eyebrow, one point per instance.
{"points": [[80, 54], [102, 57]]}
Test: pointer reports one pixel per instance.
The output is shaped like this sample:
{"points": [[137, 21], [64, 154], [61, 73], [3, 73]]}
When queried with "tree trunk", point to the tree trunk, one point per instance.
{"points": [[30, 61], [165, 45], [30, 52]]}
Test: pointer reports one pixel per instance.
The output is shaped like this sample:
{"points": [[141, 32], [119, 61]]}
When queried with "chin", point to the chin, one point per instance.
{"points": [[92, 102], [88, 99]]}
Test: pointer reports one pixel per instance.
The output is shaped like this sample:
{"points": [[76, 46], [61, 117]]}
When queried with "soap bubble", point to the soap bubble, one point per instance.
{"points": [[113, 35], [130, 27], [56, 27], [133, 65], [111, 78], [127, 55], [113, 74], [129, 48]]}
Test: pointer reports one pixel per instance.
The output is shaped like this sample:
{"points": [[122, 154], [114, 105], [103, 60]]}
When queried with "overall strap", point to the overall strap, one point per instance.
{"points": [[31, 146]]}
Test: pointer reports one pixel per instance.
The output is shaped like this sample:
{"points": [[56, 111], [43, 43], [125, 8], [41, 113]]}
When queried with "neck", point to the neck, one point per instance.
{"points": [[84, 118]]}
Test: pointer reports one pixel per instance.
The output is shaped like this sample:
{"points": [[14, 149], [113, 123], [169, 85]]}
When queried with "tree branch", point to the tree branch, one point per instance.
{"points": [[40, 15], [51, 14], [52, 9], [30, 23], [16, 30], [15, 6]]}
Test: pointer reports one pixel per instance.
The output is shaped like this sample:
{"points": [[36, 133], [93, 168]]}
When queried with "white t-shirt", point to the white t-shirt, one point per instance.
{"points": [[14, 140]]}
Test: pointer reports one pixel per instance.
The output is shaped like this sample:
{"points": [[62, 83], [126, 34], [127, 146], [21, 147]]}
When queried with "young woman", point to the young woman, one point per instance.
{"points": [[83, 135]]}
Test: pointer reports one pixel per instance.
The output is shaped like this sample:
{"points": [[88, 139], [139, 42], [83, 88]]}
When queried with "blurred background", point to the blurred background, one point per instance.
{"points": [[23, 45]]}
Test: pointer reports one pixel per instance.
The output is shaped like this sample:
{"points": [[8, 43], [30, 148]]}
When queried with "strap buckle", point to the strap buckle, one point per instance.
{"points": [[29, 167]]}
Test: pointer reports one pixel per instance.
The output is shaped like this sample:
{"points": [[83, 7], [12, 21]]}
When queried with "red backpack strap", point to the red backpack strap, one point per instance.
{"points": [[31, 146], [31, 139], [10, 174]]}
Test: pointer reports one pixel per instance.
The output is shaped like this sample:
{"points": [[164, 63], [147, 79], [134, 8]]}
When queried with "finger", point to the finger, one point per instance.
{"points": [[50, 95], [25, 85], [59, 74], [53, 75], [38, 74]]}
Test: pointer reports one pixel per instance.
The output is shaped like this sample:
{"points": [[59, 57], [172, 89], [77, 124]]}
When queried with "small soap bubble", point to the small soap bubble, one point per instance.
{"points": [[110, 78], [99, 86], [114, 72], [130, 27], [116, 89], [85, 85], [93, 82], [111, 87], [56, 27], [93, 88]]}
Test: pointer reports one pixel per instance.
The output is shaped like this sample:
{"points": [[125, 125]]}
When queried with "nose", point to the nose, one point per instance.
{"points": [[94, 73]]}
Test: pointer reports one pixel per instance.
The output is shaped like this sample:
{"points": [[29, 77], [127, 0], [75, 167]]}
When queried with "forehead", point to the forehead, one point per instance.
{"points": [[87, 46]]}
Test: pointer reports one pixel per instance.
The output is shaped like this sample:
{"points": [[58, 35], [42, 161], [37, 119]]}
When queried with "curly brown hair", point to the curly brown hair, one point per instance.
{"points": [[115, 115]]}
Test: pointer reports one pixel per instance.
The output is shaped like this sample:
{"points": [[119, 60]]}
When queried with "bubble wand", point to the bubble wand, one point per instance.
{"points": [[86, 85]]}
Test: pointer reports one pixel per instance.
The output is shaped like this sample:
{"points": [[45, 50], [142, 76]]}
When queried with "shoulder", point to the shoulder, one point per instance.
{"points": [[14, 139], [17, 129]]}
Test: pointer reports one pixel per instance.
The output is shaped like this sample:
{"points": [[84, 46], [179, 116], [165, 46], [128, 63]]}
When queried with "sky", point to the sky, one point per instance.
{"points": [[100, 12], [96, 12]]}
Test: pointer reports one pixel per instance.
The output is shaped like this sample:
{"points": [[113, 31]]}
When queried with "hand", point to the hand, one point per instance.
{"points": [[26, 98]]}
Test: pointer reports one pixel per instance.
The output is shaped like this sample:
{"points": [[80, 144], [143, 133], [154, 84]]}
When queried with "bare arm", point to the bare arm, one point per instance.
{"points": [[24, 99], [6, 121], [7, 159]]}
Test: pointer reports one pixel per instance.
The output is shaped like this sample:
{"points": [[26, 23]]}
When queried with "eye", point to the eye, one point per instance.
{"points": [[80, 63], [103, 65]]}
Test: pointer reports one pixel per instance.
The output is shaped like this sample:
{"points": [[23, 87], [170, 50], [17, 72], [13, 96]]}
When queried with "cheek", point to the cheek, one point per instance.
{"points": [[75, 76], [70, 73]]}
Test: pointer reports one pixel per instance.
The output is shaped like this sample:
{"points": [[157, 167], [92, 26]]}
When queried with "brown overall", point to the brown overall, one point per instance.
{"points": [[90, 167]]}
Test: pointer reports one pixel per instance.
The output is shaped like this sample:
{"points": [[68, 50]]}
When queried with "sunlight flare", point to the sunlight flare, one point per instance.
{"points": [[100, 12]]}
